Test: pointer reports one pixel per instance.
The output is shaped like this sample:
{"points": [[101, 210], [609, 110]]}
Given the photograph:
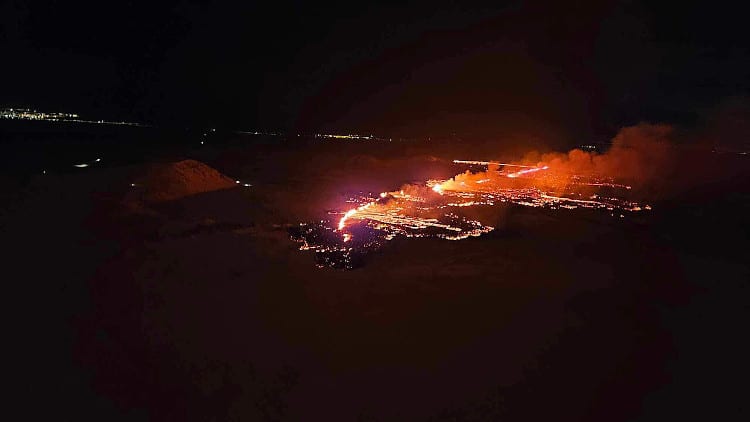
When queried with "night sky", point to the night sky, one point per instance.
{"points": [[576, 69]]}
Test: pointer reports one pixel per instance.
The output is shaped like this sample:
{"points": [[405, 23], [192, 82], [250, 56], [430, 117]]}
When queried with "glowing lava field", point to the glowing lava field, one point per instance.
{"points": [[435, 208]]}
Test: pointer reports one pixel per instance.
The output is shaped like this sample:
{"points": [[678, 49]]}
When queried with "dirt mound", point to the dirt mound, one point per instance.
{"points": [[166, 182]]}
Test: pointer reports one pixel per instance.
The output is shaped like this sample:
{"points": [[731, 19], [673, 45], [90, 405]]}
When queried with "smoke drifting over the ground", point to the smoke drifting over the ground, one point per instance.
{"points": [[640, 156]]}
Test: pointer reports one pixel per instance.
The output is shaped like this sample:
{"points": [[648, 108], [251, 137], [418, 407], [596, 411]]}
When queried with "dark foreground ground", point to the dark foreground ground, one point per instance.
{"points": [[202, 309]]}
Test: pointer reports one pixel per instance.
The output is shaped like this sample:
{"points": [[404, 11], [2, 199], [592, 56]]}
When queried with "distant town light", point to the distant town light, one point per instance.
{"points": [[28, 114]]}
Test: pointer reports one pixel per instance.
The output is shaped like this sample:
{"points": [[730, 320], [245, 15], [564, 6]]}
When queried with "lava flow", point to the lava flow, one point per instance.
{"points": [[433, 209]]}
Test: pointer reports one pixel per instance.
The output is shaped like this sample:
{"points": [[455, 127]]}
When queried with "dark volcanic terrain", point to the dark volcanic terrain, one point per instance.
{"points": [[201, 307]]}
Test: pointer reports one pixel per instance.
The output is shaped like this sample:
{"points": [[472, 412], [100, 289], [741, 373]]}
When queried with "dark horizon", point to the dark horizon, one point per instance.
{"points": [[571, 71]]}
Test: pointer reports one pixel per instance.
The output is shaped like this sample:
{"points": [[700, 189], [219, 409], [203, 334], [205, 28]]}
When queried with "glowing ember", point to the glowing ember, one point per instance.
{"points": [[487, 163], [521, 172], [342, 222]]}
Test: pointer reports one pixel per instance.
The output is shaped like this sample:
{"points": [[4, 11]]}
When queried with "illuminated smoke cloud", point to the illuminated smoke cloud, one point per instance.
{"points": [[639, 155]]}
